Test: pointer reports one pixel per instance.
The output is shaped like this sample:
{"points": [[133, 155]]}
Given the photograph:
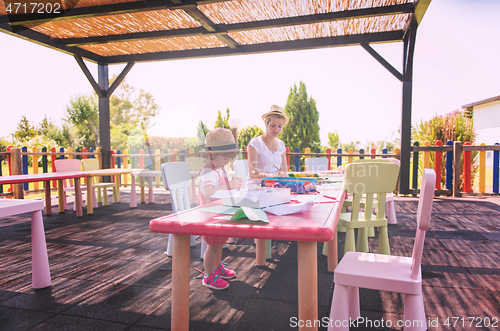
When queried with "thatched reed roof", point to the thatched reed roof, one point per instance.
{"points": [[112, 31]]}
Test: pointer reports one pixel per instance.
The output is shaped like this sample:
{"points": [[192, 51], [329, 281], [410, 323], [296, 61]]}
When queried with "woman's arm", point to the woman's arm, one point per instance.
{"points": [[284, 166]]}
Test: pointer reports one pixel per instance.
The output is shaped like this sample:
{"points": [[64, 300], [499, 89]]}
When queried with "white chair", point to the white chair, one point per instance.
{"points": [[317, 163], [176, 178], [241, 170], [385, 273]]}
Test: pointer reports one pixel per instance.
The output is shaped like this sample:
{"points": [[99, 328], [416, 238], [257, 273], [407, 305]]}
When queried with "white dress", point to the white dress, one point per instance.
{"points": [[268, 161]]}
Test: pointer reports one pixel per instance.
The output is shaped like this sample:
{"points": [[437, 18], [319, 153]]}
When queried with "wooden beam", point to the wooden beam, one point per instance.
{"points": [[382, 61], [391, 36], [94, 11], [44, 40], [88, 74], [420, 9], [119, 79], [228, 28]]}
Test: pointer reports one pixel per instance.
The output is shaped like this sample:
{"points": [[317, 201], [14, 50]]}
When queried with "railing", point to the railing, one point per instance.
{"points": [[449, 155]]}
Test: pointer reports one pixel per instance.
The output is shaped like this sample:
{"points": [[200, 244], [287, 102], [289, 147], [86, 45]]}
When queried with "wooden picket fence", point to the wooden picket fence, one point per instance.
{"points": [[450, 154]]}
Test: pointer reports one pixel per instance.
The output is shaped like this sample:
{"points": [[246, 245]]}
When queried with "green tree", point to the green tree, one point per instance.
{"points": [[82, 112], [124, 109], [222, 122], [303, 129], [25, 130], [246, 134], [201, 133], [455, 126], [333, 140]]}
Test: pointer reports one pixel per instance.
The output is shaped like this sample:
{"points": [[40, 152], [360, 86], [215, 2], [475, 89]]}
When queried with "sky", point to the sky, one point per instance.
{"points": [[455, 63]]}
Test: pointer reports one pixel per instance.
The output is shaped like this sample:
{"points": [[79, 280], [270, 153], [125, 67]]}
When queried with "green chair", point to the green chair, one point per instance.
{"points": [[367, 179]]}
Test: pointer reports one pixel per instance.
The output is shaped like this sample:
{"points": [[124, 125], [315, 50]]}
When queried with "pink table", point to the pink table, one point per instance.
{"points": [[317, 224], [40, 272], [47, 177]]}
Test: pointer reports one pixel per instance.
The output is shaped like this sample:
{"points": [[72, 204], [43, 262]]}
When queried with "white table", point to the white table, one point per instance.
{"points": [[40, 272]]}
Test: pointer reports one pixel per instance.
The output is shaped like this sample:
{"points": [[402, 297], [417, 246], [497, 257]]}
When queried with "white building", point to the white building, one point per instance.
{"points": [[486, 115]]}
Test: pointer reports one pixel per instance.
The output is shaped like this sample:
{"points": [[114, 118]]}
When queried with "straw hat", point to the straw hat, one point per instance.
{"points": [[276, 110], [220, 141]]}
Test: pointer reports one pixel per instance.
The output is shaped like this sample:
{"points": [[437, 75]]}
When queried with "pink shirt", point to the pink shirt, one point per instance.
{"points": [[210, 176]]}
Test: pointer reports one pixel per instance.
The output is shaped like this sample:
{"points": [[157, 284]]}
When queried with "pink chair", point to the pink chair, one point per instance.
{"points": [[71, 165], [385, 273]]}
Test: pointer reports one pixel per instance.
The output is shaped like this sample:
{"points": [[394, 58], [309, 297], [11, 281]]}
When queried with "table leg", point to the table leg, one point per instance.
{"points": [[117, 183], [90, 196], [260, 249], [143, 195], [333, 254], [78, 198], [180, 282], [151, 198], [308, 283], [40, 272], [48, 201], [133, 198], [60, 195], [194, 198]]}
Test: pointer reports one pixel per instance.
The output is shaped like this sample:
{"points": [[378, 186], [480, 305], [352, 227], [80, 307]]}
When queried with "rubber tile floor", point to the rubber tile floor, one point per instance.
{"points": [[109, 272]]}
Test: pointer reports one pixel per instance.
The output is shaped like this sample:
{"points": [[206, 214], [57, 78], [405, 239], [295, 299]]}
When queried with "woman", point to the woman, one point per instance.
{"points": [[267, 153]]}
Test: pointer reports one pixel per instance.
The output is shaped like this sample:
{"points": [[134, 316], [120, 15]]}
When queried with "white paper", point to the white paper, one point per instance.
{"points": [[245, 193], [319, 198], [289, 208]]}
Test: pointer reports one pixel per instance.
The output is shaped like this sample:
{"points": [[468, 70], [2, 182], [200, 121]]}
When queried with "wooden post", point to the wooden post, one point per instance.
{"points": [[467, 170], [157, 165], [457, 155], [15, 162], [34, 161], [350, 158], [125, 166], [329, 151], [438, 164], [482, 170], [427, 156]]}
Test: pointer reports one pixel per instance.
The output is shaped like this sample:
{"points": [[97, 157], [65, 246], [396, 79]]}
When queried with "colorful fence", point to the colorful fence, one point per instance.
{"points": [[445, 159]]}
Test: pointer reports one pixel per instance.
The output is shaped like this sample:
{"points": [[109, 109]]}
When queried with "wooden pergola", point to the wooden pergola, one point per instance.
{"points": [[127, 31]]}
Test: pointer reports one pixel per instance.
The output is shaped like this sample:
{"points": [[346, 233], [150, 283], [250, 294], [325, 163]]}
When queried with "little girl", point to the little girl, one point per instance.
{"points": [[220, 148]]}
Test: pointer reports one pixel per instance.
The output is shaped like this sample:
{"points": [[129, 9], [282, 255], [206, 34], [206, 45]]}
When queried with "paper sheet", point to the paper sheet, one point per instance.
{"points": [[245, 193], [227, 210], [319, 198], [253, 214], [289, 208]]}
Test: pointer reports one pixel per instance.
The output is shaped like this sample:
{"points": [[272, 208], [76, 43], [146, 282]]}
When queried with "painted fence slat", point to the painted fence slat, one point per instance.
{"points": [[183, 157], [482, 170], [373, 151], [53, 165], [427, 155], [288, 158], [496, 161], [361, 153], [24, 160], [297, 160], [384, 151], [339, 158], [449, 167], [61, 149], [350, 151], [438, 164], [34, 162], [467, 170], [414, 178], [329, 151]]}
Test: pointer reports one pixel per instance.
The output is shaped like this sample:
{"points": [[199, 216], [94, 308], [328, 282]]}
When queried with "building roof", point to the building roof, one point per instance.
{"points": [[116, 31], [477, 103]]}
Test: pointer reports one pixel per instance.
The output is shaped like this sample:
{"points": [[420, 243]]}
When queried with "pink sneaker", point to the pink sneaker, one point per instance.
{"points": [[225, 273], [214, 281]]}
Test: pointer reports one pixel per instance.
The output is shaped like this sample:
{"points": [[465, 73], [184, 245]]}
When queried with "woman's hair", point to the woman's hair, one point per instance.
{"points": [[268, 118]]}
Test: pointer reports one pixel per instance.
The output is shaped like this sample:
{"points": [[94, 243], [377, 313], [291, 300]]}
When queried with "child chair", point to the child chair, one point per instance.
{"points": [[93, 164], [71, 165], [367, 179], [176, 178], [385, 273]]}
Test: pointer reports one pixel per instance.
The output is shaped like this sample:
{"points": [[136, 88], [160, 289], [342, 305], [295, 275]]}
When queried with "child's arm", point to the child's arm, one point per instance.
{"points": [[209, 190]]}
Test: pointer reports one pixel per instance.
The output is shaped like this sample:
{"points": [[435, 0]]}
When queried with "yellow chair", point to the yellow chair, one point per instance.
{"points": [[93, 164], [368, 179]]}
